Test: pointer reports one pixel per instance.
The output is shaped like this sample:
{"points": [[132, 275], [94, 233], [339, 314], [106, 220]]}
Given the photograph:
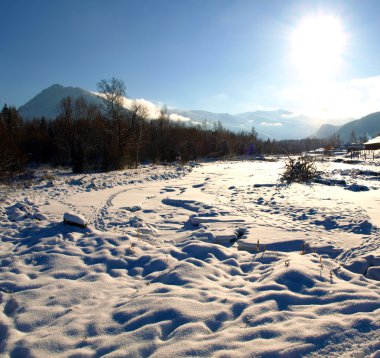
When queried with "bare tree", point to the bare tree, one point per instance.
{"points": [[113, 92], [65, 127], [139, 113]]}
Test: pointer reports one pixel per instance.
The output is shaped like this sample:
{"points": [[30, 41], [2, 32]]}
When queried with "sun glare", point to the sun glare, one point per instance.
{"points": [[317, 47]]}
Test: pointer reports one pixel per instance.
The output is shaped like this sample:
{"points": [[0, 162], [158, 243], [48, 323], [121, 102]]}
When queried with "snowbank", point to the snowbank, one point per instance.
{"points": [[215, 262]]}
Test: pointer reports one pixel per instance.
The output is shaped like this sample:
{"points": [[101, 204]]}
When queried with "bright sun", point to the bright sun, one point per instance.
{"points": [[317, 47]]}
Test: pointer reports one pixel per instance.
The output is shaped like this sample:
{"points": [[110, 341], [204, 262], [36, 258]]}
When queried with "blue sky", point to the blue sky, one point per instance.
{"points": [[216, 55]]}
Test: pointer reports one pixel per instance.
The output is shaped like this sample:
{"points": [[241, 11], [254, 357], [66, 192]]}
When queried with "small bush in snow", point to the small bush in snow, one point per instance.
{"points": [[301, 169]]}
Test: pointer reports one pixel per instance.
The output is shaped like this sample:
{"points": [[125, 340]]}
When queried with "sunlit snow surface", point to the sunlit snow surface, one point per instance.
{"points": [[199, 260]]}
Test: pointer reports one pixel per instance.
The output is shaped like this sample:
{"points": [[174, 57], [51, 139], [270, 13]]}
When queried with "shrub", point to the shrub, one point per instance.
{"points": [[301, 169]]}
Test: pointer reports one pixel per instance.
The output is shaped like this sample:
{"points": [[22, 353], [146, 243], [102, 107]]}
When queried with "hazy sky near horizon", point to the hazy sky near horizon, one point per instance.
{"points": [[320, 58]]}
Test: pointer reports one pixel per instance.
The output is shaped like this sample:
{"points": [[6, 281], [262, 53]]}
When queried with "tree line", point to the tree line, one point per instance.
{"points": [[88, 137]]}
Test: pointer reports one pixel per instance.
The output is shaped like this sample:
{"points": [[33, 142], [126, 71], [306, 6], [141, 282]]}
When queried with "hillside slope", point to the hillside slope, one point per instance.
{"points": [[47, 102], [368, 126], [326, 131]]}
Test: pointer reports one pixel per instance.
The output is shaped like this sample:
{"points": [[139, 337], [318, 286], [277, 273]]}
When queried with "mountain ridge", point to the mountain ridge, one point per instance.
{"points": [[362, 128], [46, 103], [275, 124], [365, 127]]}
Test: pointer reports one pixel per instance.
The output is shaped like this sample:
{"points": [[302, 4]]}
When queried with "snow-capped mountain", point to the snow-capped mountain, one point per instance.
{"points": [[46, 103], [277, 124]]}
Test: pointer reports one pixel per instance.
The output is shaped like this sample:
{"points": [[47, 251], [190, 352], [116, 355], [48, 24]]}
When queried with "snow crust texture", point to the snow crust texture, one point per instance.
{"points": [[212, 260]]}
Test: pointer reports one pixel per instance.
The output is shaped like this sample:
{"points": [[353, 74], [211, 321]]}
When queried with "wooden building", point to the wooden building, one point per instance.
{"points": [[373, 144]]}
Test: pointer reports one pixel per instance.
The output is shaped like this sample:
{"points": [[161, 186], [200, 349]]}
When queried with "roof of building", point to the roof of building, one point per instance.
{"points": [[375, 140], [373, 143]]}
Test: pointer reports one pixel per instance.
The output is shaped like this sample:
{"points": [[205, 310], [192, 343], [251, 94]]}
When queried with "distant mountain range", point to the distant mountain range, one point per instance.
{"points": [[365, 127], [277, 124]]}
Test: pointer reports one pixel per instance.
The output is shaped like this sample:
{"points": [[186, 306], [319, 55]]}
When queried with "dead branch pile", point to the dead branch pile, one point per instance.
{"points": [[301, 169]]}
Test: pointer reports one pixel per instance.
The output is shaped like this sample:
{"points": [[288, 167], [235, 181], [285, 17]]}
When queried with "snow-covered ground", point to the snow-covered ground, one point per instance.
{"points": [[216, 259]]}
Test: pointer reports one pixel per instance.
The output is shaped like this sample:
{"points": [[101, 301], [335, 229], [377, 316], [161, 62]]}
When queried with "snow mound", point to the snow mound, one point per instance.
{"points": [[374, 273], [359, 265], [15, 214], [72, 218], [40, 216]]}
